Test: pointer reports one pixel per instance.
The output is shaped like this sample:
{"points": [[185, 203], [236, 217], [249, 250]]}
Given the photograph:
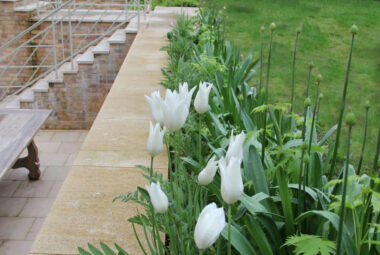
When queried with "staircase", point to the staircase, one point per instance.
{"points": [[76, 89]]}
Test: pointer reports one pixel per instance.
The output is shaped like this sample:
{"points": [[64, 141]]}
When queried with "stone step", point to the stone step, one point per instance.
{"points": [[27, 95], [51, 77], [68, 68], [11, 102], [30, 7], [118, 37], [103, 47], [41, 86], [86, 58]]}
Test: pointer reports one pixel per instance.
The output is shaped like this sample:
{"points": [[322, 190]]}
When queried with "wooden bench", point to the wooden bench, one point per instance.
{"points": [[17, 129]]}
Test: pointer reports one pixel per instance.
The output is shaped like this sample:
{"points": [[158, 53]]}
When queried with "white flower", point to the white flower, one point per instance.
{"points": [[155, 144], [157, 197], [185, 94], [232, 183], [207, 175], [155, 101], [210, 223], [175, 111], [235, 147], [201, 99]]}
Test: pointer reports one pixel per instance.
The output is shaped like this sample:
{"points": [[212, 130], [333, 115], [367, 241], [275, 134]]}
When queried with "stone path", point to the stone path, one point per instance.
{"points": [[25, 204]]}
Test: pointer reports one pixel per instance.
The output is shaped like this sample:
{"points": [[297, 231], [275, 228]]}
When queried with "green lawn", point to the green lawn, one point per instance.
{"points": [[325, 39]]}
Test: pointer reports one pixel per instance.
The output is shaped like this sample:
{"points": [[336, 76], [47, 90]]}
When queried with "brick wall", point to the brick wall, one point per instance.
{"points": [[76, 101]]}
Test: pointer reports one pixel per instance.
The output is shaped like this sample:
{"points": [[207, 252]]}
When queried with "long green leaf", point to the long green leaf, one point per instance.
{"points": [[238, 241], [258, 235]]}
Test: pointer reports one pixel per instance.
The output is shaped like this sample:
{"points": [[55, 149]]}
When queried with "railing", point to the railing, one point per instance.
{"points": [[63, 29]]}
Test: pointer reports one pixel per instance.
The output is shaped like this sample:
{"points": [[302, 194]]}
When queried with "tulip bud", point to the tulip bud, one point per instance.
{"points": [[185, 94], [319, 78], [262, 29], [320, 96], [207, 175], [210, 223], [307, 102], [232, 183], [155, 101], [350, 119], [235, 147], [155, 144], [354, 29], [175, 110], [367, 104], [304, 146], [157, 197], [311, 65], [272, 26], [201, 99], [240, 98], [298, 30], [306, 159]]}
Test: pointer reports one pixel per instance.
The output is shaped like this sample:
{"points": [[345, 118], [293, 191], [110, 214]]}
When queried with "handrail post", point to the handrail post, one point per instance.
{"points": [[54, 47], [71, 39], [138, 15], [38, 8]]}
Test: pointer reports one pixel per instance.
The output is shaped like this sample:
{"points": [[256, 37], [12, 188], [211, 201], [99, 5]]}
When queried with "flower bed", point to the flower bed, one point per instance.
{"points": [[278, 189]]}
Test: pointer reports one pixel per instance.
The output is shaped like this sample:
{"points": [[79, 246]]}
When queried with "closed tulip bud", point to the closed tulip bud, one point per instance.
{"points": [[240, 98], [175, 111], [311, 65], [272, 26], [201, 99], [307, 102], [350, 119], [367, 104], [232, 183], [155, 101], [320, 96], [319, 77], [206, 176], [185, 94], [262, 29], [157, 197], [235, 147], [298, 30], [306, 159], [210, 223], [155, 144], [304, 146], [354, 29]]}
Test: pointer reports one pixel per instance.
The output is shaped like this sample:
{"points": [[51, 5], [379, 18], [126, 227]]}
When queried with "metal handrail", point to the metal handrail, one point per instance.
{"points": [[51, 55]]}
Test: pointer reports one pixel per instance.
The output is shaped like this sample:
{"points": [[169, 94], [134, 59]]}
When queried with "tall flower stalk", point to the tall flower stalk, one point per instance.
{"points": [[262, 29], [350, 121], [272, 28], [354, 31], [375, 163], [367, 105], [298, 31]]}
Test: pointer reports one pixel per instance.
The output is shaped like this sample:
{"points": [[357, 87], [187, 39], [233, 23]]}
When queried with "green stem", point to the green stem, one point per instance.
{"points": [[261, 60], [154, 228], [200, 139], [151, 167], [364, 141], [375, 166], [343, 204], [293, 72], [166, 137], [229, 230], [343, 105]]}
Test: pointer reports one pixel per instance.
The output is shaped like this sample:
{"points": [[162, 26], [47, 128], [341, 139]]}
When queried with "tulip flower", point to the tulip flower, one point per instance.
{"points": [[155, 144], [175, 111], [235, 147], [201, 99], [155, 101], [211, 222], [207, 175], [185, 94], [157, 197], [232, 183]]}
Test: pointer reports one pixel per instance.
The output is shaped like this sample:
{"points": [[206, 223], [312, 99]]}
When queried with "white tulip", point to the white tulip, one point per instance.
{"points": [[155, 101], [232, 183], [207, 175], [155, 144], [235, 147], [175, 111], [185, 94], [201, 99], [210, 223], [157, 197]]}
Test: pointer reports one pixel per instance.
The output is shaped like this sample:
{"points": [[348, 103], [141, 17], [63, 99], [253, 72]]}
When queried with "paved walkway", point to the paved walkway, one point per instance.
{"points": [[105, 167], [24, 204]]}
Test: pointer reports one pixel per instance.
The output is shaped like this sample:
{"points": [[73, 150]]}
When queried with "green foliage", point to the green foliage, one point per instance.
{"points": [[183, 3], [311, 245], [104, 250]]}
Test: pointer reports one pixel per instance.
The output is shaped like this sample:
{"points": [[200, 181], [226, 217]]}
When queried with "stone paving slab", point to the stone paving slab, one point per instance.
{"points": [[105, 166]]}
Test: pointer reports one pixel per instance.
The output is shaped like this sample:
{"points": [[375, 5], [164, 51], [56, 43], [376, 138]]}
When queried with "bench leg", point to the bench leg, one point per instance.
{"points": [[31, 162]]}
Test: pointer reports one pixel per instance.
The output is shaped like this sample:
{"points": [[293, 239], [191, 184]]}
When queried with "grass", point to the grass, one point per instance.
{"points": [[325, 40]]}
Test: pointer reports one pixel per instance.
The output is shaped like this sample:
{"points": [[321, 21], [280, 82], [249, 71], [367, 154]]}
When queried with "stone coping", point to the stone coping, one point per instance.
{"points": [[105, 166]]}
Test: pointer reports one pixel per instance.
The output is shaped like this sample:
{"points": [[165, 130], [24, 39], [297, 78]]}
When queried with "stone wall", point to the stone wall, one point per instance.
{"points": [[76, 101]]}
